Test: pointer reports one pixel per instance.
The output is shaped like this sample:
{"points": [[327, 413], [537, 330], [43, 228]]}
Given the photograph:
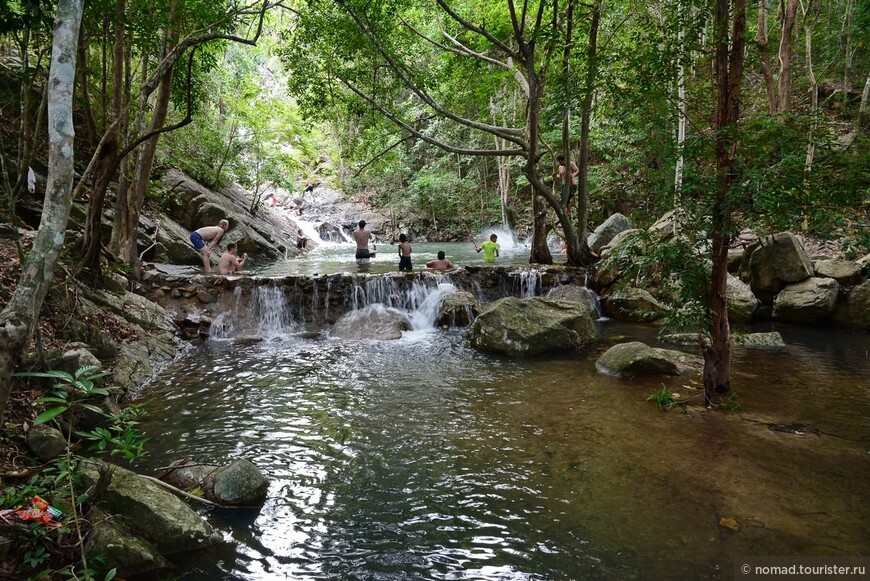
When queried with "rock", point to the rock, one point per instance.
{"points": [[634, 304], [685, 339], [664, 226], [635, 358], [605, 232], [75, 359], [457, 309], [758, 340], [121, 550], [520, 327], [742, 304], [854, 310], [238, 483], [809, 301], [175, 246], [136, 309], [574, 293], [864, 261], [776, 262], [45, 442], [844, 272], [735, 259], [372, 322], [617, 241], [159, 515]]}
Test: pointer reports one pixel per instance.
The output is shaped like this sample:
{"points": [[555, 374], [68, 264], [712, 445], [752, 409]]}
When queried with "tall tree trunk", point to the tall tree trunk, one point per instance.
{"points": [[127, 214], [761, 43], [847, 47], [21, 314], [785, 42], [540, 252], [682, 118], [809, 21], [83, 85], [582, 255], [865, 98], [729, 77], [107, 164]]}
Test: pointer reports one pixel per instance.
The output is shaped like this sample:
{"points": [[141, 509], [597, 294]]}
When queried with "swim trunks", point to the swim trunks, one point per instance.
{"points": [[197, 240], [405, 263], [363, 253]]}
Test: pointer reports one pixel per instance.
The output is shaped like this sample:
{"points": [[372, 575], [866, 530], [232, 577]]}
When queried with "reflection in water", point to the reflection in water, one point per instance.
{"points": [[422, 459]]}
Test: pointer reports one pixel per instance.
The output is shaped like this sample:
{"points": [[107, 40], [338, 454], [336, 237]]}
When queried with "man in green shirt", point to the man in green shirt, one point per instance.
{"points": [[490, 248]]}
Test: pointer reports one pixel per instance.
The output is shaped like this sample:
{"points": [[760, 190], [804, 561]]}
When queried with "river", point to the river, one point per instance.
{"points": [[424, 459]]}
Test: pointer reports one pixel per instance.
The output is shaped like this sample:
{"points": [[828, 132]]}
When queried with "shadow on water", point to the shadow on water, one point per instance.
{"points": [[423, 459]]}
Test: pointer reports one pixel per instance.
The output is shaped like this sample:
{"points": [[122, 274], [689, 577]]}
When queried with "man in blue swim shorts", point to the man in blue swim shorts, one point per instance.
{"points": [[206, 238]]}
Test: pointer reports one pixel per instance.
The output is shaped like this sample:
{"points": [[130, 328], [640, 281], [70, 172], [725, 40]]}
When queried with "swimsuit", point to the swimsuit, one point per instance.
{"points": [[197, 240], [363, 253], [405, 263]]}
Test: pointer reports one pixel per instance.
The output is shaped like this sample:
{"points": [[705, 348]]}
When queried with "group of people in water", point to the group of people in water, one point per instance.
{"points": [[206, 238], [363, 238]]}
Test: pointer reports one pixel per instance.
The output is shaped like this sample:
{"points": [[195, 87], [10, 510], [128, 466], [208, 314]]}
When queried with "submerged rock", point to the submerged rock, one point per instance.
{"points": [[534, 325], [634, 304], [372, 322], [636, 358], [457, 309], [759, 340], [238, 483]]}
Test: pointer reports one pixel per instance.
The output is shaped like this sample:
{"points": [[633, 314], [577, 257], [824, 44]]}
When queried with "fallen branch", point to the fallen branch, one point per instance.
{"points": [[183, 493]]}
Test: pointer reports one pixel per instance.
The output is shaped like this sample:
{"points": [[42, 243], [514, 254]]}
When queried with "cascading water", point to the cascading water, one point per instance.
{"points": [[526, 283], [264, 314]]}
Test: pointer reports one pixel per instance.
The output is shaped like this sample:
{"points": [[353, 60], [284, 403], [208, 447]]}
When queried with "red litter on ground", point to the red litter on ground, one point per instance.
{"points": [[39, 511]]}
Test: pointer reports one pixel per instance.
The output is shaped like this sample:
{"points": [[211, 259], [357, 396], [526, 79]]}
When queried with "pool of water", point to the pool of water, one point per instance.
{"points": [[423, 459], [333, 258]]}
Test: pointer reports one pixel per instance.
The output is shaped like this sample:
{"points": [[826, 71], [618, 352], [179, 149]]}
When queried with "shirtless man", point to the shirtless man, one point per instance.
{"points": [[229, 262], [404, 253], [362, 237], [206, 238], [568, 188], [441, 264]]}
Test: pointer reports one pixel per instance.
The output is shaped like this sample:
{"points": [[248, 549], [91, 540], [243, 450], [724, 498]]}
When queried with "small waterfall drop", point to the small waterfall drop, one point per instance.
{"points": [[526, 283], [264, 314]]}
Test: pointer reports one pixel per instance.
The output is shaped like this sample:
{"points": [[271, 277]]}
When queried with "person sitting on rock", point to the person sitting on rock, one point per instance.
{"points": [[229, 262], [441, 263], [206, 238]]}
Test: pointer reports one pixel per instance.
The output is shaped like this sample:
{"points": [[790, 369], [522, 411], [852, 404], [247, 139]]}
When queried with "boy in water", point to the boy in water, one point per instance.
{"points": [[206, 238], [441, 263], [490, 248], [404, 253], [229, 263]]}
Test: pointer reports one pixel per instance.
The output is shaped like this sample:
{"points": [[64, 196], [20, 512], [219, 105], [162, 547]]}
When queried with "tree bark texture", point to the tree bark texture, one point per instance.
{"points": [[582, 255], [785, 43], [729, 76], [766, 71], [20, 316]]}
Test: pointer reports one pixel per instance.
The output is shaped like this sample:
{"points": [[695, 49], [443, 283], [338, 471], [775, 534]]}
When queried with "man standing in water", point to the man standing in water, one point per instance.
{"points": [[441, 263], [362, 237], [490, 248], [206, 238]]}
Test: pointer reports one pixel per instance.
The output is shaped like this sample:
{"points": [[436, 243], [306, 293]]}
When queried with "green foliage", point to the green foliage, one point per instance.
{"points": [[69, 392], [121, 438], [662, 398], [730, 403]]}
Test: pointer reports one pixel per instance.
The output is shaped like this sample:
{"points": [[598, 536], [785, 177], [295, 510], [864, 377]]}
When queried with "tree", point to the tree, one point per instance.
{"points": [[728, 63], [20, 316], [359, 46]]}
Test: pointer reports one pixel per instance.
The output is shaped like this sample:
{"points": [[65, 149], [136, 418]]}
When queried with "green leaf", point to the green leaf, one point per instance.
{"points": [[110, 575], [56, 374], [52, 399], [93, 408], [49, 415]]}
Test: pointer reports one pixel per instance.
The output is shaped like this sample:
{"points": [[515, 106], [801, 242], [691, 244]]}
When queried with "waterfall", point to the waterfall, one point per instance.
{"points": [[265, 313], [419, 298], [526, 283]]}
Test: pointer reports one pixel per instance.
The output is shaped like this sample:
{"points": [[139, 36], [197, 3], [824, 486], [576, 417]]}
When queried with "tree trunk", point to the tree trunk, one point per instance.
{"points": [[847, 48], [788, 20], [766, 71], [682, 119], [83, 85], [814, 88], [581, 255], [21, 314], [108, 156], [540, 252], [865, 97], [729, 76], [128, 224]]}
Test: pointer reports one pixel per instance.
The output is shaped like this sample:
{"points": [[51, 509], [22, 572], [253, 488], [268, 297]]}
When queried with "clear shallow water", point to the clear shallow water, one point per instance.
{"points": [[332, 258], [422, 459]]}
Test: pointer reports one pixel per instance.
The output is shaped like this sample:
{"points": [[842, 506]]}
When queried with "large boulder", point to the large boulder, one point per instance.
{"points": [[634, 304], [118, 549], [845, 272], [616, 242], [776, 262], [636, 358], [174, 247], [372, 322], [574, 293], [742, 304], [528, 326], [854, 311], [605, 232], [808, 301], [162, 518], [457, 309], [238, 483]]}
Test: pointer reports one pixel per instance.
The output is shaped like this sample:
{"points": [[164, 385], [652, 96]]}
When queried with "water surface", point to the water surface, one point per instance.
{"points": [[423, 459]]}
